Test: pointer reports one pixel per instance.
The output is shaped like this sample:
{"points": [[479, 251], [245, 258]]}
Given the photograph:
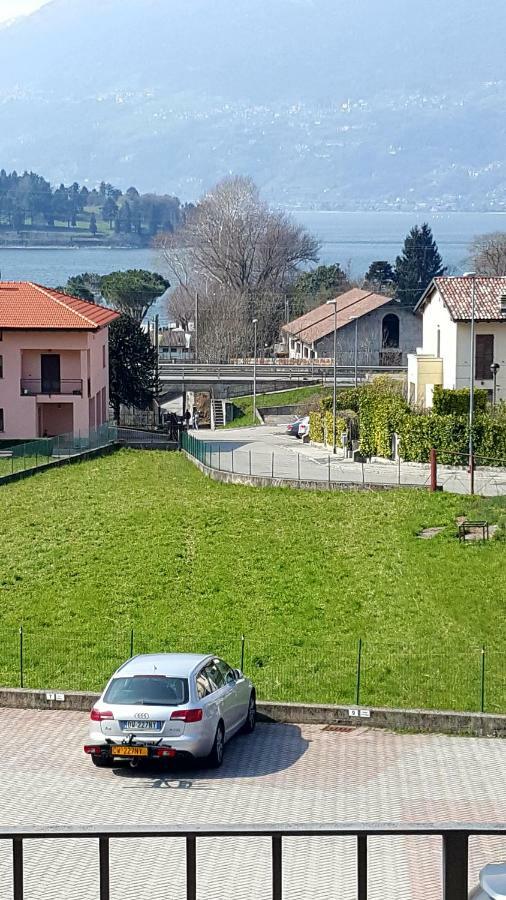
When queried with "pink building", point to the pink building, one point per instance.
{"points": [[54, 365]]}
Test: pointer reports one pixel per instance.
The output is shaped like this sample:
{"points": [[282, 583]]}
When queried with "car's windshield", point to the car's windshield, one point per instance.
{"points": [[148, 690]]}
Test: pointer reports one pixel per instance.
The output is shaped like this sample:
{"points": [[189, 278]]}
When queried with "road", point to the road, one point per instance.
{"points": [[268, 450], [280, 774]]}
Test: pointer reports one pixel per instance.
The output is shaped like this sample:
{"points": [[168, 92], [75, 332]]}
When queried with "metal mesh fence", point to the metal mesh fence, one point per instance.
{"points": [[30, 455], [351, 672], [320, 468]]}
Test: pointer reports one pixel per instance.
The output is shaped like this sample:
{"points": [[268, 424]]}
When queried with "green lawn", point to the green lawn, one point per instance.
{"points": [[142, 540], [244, 405]]}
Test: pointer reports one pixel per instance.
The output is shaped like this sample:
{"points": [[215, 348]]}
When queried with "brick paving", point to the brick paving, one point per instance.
{"points": [[281, 774]]}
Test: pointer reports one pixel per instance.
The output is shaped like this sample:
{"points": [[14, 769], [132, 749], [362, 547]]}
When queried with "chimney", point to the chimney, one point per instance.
{"points": [[503, 304]]}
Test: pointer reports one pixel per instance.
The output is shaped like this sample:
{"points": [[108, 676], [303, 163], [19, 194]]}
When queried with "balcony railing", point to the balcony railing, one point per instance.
{"points": [[455, 840], [30, 387]]}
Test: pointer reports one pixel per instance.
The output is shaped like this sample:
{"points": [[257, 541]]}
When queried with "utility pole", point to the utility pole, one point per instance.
{"points": [[334, 396], [255, 322], [472, 276]]}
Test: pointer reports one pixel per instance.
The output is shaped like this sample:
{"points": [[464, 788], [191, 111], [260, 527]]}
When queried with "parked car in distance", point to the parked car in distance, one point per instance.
{"points": [[492, 883], [293, 427], [166, 705], [303, 428]]}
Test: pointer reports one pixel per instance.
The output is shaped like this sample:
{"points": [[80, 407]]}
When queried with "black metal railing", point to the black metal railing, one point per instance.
{"points": [[455, 849], [68, 386]]}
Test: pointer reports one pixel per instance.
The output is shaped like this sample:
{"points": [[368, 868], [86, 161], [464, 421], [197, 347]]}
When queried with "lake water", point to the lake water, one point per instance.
{"points": [[352, 239]]}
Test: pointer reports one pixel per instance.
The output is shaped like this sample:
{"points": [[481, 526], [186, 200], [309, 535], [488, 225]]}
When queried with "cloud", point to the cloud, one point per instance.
{"points": [[10, 9]]}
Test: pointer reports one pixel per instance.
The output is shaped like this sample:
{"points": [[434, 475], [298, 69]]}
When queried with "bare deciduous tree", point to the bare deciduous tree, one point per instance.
{"points": [[234, 246], [488, 254]]}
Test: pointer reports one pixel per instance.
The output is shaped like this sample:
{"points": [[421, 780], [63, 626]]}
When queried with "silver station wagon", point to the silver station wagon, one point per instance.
{"points": [[164, 705]]}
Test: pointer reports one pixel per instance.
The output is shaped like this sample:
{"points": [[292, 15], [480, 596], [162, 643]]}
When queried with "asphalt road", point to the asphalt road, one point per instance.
{"points": [[280, 774], [268, 450]]}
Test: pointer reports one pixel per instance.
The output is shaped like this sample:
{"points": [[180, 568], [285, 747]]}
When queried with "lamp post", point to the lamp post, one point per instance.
{"points": [[472, 277], [494, 368], [355, 319], [334, 396], [255, 322]]}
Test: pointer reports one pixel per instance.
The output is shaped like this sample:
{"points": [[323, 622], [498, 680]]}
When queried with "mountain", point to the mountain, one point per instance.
{"points": [[330, 103]]}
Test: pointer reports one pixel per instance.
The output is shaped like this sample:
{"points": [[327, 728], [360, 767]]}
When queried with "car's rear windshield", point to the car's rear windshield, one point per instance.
{"points": [[148, 690]]}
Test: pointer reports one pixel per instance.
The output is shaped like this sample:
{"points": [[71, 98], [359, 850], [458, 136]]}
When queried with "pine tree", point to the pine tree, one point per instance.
{"points": [[419, 264], [380, 275], [93, 224]]}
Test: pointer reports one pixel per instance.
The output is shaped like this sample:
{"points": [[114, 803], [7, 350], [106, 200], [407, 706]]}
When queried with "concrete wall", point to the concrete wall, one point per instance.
{"points": [[463, 347], [437, 318], [419, 720], [370, 337]]}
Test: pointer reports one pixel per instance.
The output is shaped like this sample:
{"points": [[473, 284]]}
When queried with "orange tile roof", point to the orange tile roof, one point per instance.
{"points": [[456, 292], [319, 322], [24, 305]]}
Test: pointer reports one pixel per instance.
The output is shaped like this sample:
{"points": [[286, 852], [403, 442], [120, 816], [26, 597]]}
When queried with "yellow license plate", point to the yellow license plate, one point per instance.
{"points": [[130, 751]]}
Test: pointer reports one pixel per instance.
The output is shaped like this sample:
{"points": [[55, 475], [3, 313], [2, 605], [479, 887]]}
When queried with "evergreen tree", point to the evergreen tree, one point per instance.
{"points": [[109, 211], [132, 365], [379, 275], [311, 289], [419, 264], [93, 224], [134, 291]]}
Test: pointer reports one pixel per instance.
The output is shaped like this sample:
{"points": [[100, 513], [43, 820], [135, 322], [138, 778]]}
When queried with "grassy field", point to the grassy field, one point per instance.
{"points": [[244, 405], [143, 541]]}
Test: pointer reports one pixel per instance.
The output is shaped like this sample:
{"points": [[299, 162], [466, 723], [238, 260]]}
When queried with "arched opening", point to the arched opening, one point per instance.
{"points": [[390, 332]]}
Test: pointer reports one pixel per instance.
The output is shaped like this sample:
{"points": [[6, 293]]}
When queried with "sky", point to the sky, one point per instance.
{"points": [[9, 9]]}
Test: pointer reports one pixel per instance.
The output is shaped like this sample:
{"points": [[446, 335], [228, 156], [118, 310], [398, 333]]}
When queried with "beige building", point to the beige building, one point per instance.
{"points": [[445, 356]]}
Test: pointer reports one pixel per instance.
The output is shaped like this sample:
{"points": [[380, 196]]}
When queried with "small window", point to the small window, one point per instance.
{"points": [[103, 356], [1, 420], [204, 688], [438, 343], [226, 671], [214, 675], [1, 367]]}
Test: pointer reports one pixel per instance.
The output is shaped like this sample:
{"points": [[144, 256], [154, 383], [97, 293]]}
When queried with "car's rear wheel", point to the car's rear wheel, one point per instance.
{"points": [[251, 718], [101, 762], [215, 757]]}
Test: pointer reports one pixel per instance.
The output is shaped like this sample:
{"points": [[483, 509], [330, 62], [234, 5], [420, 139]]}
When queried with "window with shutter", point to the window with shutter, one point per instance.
{"points": [[484, 356]]}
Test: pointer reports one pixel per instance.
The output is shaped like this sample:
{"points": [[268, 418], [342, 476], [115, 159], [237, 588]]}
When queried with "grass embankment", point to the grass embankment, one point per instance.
{"points": [[244, 405], [144, 541]]}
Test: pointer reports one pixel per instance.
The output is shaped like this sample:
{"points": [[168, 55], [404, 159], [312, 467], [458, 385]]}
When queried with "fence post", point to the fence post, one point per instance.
{"points": [[482, 685], [363, 473], [399, 472], [298, 467], [232, 460], [131, 642], [359, 672], [24, 456], [219, 457], [242, 653], [21, 673], [250, 462], [328, 464], [433, 470], [272, 465]]}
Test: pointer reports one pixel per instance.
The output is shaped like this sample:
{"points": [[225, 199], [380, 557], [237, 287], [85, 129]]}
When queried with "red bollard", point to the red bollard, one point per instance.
{"points": [[433, 470]]}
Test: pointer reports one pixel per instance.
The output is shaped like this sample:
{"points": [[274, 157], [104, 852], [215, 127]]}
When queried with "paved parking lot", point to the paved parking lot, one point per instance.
{"points": [[281, 774]]}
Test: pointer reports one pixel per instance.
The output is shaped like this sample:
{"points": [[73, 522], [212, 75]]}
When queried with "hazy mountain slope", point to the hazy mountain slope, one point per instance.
{"points": [[175, 93]]}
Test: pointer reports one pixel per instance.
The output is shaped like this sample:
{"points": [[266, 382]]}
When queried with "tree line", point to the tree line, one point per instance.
{"points": [[29, 200]]}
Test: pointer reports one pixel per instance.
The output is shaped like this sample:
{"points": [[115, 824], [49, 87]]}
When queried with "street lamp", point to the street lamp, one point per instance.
{"points": [[494, 368], [472, 276], [355, 319], [334, 398], [255, 322]]}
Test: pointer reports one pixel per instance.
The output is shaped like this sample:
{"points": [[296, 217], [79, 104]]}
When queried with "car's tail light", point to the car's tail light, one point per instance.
{"points": [[164, 752], [93, 749], [98, 715], [187, 715]]}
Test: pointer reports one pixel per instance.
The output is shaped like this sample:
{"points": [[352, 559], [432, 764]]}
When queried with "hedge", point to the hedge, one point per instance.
{"points": [[321, 428], [449, 435], [448, 402]]}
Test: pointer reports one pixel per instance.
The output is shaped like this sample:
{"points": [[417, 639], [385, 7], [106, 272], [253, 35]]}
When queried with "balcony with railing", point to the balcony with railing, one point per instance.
{"points": [[280, 880], [31, 387]]}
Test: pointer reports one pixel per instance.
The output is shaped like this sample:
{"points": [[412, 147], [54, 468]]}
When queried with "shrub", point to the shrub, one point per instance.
{"points": [[449, 435], [446, 402], [316, 432], [380, 418]]}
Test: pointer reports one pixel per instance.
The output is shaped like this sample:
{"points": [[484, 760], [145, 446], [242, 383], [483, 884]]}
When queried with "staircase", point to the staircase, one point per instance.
{"points": [[218, 415]]}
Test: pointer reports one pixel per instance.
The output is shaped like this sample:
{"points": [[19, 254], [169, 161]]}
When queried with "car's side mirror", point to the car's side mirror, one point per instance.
{"points": [[237, 674]]}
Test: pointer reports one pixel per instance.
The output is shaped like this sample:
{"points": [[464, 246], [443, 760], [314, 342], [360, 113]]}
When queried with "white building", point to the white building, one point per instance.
{"points": [[445, 357]]}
